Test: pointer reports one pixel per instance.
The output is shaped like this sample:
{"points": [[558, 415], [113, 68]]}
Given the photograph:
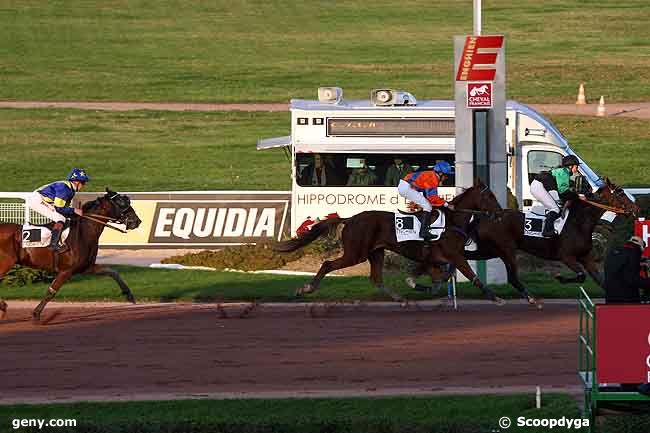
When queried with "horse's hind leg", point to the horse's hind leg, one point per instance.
{"points": [[105, 270], [345, 261], [376, 259], [61, 278], [415, 269], [5, 266]]}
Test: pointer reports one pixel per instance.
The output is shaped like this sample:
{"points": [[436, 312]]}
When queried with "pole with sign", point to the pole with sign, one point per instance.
{"points": [[480, 104]]}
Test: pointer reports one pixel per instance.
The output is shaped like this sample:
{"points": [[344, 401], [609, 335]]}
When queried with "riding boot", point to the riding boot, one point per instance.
{"points": [[549, 224], [56, 237], [424, 227]]}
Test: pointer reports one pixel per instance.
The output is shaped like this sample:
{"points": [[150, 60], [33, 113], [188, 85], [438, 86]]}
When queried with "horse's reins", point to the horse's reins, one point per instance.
{"points": [[97, 219], [604, 206]]}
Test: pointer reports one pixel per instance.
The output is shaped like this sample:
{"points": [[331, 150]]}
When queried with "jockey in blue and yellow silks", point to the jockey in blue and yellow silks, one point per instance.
{"points": [[421, 187], [53, 201]]}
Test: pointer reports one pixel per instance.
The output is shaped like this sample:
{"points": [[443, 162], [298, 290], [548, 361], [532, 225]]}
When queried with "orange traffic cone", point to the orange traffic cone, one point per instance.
{"points": [[601, 107], [581, 95]]}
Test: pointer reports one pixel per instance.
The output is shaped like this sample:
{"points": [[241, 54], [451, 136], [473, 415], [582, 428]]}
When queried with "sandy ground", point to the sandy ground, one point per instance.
{"points": [[639, 110], [117, 351]]}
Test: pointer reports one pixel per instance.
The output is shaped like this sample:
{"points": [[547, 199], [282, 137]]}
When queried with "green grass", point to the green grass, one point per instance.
{"points": [[161, 151], [143, 150], [613, 147], [444, 414], [189, 285], [275, 50]]}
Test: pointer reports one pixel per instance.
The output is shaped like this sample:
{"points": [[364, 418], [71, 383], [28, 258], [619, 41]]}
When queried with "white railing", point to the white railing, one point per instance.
{"points": [[13, 209]]}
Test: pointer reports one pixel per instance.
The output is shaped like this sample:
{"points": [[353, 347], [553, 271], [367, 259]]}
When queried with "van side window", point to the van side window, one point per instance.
{"points": [[363, 170], [542, 160]]}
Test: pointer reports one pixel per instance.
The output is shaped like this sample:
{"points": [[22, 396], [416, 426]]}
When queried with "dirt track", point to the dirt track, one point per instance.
{"points": [[175, 351], [640, 110]]}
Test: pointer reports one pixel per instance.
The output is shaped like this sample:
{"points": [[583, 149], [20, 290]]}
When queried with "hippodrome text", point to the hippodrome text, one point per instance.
{"points": [[354, 199]]}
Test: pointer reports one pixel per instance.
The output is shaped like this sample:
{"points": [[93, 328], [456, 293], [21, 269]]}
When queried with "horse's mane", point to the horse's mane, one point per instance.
{"points": [[90, 205]]}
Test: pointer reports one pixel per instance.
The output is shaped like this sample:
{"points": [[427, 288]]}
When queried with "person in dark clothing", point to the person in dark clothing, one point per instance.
{"points": [[623, 283], [623, 280]]}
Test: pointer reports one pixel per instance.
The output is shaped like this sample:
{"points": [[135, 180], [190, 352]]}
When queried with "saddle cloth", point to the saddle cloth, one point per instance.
{"points": [[534, 221], [39, 236], [407, 226]]}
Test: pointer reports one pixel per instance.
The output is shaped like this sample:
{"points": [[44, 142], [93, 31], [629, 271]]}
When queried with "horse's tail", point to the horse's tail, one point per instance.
{"points": [[316, 231]]}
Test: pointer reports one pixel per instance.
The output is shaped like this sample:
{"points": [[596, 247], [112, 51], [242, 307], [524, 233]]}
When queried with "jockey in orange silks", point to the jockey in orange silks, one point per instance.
{"points": [[422, 188]]}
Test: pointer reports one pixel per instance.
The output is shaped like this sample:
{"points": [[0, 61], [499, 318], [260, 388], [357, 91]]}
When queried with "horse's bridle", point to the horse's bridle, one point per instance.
{"points": [[617, 191], [121, 219]]}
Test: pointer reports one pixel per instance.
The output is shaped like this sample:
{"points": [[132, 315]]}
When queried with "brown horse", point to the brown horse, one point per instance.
{"points": [[501, 237], [81, 253], [367, 234]]}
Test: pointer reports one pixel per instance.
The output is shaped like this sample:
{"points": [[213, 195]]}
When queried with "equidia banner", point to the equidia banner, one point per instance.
{"points": [[202, 219]]}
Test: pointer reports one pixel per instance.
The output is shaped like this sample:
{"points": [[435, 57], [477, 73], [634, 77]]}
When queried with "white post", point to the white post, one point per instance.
{"points": [[477, 17], [26, 208]]}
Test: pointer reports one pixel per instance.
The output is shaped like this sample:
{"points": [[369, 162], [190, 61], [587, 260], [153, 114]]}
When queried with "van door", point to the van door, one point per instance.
{"points": [[536, 157]]}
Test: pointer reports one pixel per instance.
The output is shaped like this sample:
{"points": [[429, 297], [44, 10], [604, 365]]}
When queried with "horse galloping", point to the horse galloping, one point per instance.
{"points": [[81, 254], [500, 238], [366, 235]]}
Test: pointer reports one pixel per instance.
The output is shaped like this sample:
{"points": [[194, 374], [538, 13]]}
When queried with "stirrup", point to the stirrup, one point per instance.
{"points": [[56, 248], [549, 234]]}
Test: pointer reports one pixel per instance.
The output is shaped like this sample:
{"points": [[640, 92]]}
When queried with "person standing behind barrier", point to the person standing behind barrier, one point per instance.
{"points": [[623, 283], [53, 201], [421, 187], [396, 172], [623, 280], [558, 180]]}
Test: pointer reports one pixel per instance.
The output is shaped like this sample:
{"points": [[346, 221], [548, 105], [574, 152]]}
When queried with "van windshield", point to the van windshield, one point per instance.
{"points": [[357, 169]]}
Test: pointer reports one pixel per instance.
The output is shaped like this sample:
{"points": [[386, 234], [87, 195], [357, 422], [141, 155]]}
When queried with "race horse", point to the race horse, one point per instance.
{"points": [[81, 252], [501, 237], [366, 235]]}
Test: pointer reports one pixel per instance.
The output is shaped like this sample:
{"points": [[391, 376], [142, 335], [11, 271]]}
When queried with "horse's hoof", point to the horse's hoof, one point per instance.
{"points": [[36, 319], [499, 302], [410, 281], [130, 298], [307, 288]]}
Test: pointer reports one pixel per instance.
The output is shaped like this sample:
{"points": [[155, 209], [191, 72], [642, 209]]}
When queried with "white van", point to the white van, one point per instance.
{"points": [[347, 156]]}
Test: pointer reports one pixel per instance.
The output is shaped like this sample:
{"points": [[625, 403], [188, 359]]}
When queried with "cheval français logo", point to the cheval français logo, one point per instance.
{"points": [[479, 95]]}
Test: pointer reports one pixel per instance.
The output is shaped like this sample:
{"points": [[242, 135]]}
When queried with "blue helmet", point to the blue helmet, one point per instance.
{"points": [[443, 167], [78, 174]]}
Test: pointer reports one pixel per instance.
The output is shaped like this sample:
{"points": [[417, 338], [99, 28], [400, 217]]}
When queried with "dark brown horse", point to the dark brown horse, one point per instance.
{"points": [[367, 234], [501, 237], [81, 253]]}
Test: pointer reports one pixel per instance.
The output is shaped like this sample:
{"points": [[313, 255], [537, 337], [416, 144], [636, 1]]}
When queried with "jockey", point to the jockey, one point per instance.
{"points": [[558, 180], [421, 187], [53, 201]]}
